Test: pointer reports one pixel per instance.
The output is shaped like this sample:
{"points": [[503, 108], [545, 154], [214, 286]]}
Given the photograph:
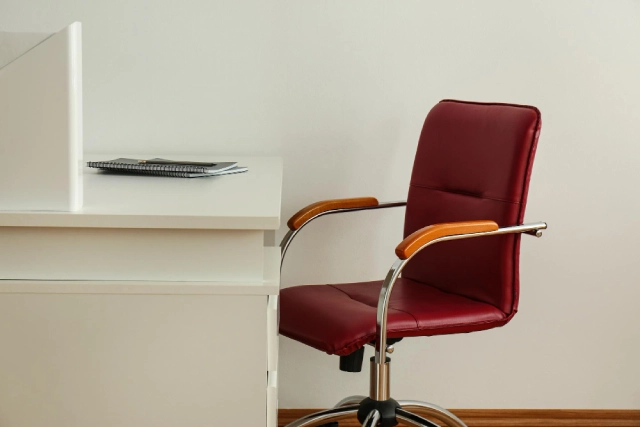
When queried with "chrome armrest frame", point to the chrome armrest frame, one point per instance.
{"points": [[286, 241], [534, 229]]}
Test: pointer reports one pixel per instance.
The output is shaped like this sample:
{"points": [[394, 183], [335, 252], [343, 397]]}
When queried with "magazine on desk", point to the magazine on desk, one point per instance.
{"points": [[164, 167]]}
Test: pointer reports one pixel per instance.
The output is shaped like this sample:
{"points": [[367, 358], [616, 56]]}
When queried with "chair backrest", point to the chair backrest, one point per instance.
{"points": [[473, 161]]}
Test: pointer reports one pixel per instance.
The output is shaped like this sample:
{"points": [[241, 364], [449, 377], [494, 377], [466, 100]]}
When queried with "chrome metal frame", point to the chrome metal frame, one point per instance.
{"points": [[398, 266], [378, 391], [324, 417], [351, 400], [372, 419], [412, 419], [286, 241], [402, 413], [348, 406], [380, 378], [431, 410]]}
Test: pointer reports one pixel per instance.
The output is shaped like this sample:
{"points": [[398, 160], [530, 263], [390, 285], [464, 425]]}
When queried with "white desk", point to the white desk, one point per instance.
{"points": [[155, 305]]}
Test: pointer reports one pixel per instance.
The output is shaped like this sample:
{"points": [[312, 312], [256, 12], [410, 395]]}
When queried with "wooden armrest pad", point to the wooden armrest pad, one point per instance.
{"points": [[305, 214], [418, 239]]}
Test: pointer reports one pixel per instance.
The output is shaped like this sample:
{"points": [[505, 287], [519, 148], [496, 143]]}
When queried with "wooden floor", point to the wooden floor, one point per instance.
{"points": [[514, 417]]}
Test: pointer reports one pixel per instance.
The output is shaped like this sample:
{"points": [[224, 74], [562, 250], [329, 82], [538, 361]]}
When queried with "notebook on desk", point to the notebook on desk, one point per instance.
{"points": [[164, 167]]}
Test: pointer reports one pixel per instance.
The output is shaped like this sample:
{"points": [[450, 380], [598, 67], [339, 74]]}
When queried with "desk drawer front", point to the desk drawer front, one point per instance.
{"points": [[130, 254]]}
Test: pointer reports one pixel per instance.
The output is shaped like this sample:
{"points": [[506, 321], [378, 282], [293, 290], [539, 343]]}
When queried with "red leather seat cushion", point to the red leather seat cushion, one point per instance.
{"points": [[339, 319]]}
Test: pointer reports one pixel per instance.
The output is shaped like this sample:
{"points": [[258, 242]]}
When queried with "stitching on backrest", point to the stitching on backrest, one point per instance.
{"points": [[463, 193]]}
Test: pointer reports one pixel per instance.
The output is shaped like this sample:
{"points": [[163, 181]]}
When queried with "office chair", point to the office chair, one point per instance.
{"points": [[471, 172]]}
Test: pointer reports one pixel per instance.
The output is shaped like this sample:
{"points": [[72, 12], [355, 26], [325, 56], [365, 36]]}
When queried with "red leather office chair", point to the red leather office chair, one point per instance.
{"points": [[471, 173]]}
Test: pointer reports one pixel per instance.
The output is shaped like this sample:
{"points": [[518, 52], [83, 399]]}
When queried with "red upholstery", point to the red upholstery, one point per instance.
{"points": [[473, 162], [339, 319]]}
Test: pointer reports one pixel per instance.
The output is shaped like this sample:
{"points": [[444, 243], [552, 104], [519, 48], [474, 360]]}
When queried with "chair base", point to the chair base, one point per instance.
{"points": [[378, 414], [386, 410], [372, 412]]}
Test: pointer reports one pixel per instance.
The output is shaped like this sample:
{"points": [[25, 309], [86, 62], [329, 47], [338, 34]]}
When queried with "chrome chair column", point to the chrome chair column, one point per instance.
{"points": [[380, 382]]}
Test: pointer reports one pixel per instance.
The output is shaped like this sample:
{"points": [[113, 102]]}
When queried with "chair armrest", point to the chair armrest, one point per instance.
{"points": [[419, 240], [314, 209], [423, 236], [318, 209]]}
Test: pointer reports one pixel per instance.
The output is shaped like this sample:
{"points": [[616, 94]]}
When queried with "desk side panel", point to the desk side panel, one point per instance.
{"points": [[132, 360]]}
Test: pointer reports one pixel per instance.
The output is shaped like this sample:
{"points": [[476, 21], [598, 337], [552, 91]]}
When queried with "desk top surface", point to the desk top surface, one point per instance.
{"points": [[249, 200]]}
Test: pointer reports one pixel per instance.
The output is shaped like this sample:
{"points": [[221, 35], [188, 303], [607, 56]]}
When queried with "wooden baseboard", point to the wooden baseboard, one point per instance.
{"points": [[514, 417]]}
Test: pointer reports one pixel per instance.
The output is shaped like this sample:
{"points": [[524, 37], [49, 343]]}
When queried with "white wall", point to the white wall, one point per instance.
{"points": [[340, 90]]}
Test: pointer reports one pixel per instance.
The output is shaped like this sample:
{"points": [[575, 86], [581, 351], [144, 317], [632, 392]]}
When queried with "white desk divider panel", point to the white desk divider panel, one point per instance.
{"points": [[41, 121], [155, 305]]}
